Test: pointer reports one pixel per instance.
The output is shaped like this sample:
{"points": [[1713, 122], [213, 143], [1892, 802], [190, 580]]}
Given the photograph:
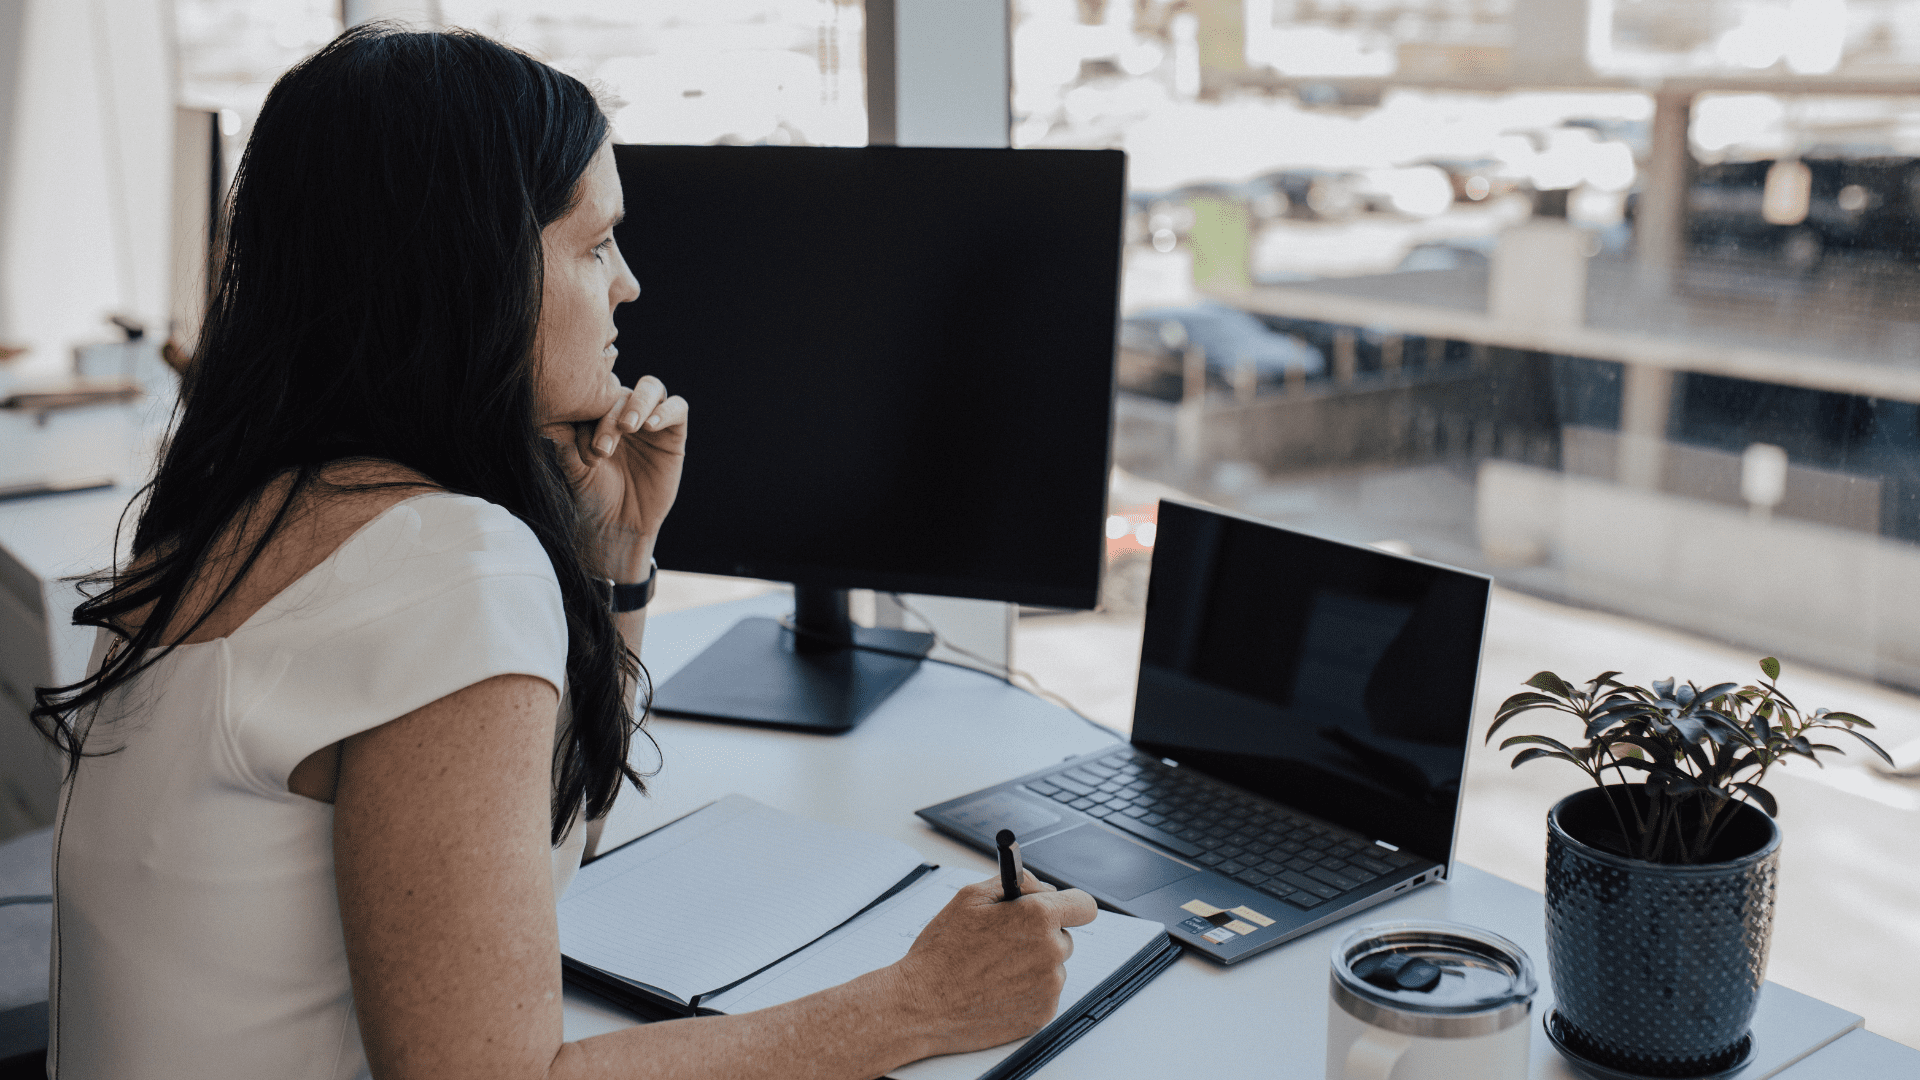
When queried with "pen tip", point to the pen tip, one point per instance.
{"points": [[1004, 837]]}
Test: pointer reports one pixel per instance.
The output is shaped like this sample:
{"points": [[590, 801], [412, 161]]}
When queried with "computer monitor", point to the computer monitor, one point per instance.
{"points": [[900, 367]]}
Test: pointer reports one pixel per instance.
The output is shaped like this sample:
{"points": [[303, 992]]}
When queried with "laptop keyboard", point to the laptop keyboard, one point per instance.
{"points": [[1302, 862]]}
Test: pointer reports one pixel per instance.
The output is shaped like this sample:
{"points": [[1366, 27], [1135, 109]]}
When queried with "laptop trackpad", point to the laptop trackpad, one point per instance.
{"points": [[1090, 857]]}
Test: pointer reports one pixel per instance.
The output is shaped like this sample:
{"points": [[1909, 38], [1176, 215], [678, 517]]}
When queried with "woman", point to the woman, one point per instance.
{"points": [[359, 686]]}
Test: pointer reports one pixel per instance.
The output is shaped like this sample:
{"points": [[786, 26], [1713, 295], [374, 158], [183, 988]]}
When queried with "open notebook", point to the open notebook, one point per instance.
{"points": [[738, 906]]}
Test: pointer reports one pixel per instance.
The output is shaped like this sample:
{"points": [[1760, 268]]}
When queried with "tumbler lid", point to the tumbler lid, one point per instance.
{"points": [[1435, 970]]}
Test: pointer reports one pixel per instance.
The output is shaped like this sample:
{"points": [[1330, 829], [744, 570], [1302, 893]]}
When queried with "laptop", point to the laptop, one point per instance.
{"points": [[1299, 737]]}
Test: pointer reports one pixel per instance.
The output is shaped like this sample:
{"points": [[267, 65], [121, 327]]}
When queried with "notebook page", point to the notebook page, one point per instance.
{"points": [[882, 936], [722, 893]]}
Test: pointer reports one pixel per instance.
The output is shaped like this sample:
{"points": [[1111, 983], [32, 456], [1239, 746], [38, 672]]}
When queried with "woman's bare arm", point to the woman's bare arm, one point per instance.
{"points": [[444, 875]]}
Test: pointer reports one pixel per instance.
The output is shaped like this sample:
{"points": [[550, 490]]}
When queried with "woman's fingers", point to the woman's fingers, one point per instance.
{"points": [[627, 414], [669, 413]]}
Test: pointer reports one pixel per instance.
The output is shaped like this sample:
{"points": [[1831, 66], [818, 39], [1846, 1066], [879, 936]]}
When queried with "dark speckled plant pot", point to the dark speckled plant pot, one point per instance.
{"points": [[1656, 969]]}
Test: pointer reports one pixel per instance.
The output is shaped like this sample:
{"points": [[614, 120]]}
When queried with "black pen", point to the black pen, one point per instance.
{"points": [[1010, 867]]}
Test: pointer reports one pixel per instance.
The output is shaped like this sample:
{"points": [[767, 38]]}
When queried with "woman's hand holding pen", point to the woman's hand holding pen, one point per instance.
{"points": [[625, 468], [984, 972]]}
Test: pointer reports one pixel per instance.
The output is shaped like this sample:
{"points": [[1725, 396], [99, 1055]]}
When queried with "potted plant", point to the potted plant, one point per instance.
{"points": [[1660, 878]]}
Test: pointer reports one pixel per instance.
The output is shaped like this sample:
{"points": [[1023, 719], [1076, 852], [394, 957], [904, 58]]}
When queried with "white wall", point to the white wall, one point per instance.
{"points": [[87, 156]]}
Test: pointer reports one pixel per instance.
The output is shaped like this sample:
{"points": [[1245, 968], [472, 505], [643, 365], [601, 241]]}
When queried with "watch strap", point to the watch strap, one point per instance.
{"points": [[625, 598]]}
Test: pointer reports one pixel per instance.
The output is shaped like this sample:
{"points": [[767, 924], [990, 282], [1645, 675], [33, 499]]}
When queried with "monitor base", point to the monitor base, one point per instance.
{"points": [[755, 675]]}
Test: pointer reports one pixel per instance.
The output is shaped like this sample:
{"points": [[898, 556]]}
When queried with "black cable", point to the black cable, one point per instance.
{"points": [[1036, 690], [9, 901]]}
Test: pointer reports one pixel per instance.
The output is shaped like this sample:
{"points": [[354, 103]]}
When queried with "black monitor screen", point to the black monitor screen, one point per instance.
{"points": [[899, 361], [1332, 678]]}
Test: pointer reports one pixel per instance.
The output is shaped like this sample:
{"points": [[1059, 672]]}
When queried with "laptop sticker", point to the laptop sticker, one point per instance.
{"points": [[1243, 929], [1196, 925], [1201, 908], [1219, 935], [1252, 916]]}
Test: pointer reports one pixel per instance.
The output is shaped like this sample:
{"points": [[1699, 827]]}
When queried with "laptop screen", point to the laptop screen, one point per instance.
{"points": [[1335, 679]]}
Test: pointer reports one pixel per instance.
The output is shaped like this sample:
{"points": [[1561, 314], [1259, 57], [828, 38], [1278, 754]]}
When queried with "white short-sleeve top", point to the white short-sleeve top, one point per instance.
{"points": [[196, 925]]}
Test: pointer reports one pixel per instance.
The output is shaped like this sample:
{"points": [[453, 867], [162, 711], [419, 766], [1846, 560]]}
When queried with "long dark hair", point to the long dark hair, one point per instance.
{"points": [[377, 298]]}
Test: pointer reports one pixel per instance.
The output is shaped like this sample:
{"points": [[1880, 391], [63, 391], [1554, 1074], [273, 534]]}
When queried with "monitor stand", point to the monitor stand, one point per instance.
{"points": [[824, 678]]}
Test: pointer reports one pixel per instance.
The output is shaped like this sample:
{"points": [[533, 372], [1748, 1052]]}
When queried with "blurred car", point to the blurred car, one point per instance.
{"points": [[1479, 179], [1153, 343], [1315, 194], [1130, 536], [1837, 206]]}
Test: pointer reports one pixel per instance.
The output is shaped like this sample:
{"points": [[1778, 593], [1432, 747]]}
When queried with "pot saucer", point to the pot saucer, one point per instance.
{"points": [[1593, 1070]]}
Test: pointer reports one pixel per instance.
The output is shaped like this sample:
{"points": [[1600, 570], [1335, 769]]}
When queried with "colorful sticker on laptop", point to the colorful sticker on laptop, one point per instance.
{"points": [[1251, 915], [1219, 935], [1200, 907], [1243, 929], [1196, 925]]}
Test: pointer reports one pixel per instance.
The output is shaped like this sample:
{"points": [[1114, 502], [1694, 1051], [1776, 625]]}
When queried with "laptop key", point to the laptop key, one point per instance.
{"points": [[1083, 776], [1041, 787], [1208, 858], [1081, 804], [1074, 786], [1374, 865], [1251, 877], [1303, 900], [1100, 811], [1342, 883], [1318, 888], [1148, 832], [1231, 867]]}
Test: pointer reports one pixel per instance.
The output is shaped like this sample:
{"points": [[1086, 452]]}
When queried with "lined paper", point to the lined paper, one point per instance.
{"points": [[721, 893]]}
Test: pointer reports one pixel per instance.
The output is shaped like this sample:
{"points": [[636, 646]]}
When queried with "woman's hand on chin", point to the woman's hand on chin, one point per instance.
{"points": [[625, 468]]}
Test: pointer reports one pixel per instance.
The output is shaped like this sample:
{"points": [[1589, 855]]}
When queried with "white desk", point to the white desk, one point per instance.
{"points": [[947, 732]]}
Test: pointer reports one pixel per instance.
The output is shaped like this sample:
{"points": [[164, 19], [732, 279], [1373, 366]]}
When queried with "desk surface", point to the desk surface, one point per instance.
{"points": [[947, 732]]}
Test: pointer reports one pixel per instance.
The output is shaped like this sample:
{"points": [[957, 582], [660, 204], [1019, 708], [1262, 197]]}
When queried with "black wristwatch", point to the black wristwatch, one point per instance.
{"points": [[626, 598]]}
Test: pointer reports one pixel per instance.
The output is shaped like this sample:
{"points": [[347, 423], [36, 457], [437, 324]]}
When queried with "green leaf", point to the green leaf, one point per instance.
{"points": [[1536, 740], [1871, 745], [1761, 798], [1525, 701], [1529, 755], [1770, 667], [1848, 718], [1664, 688], [1551, 683], [1601, 723], [1605, 678], [1659, 768], [1727, 724], [1717, 690], [1698, 757]]}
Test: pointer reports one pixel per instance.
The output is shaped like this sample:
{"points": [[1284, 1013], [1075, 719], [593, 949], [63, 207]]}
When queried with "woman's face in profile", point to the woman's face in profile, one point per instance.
{"points": [[586, 278]]}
